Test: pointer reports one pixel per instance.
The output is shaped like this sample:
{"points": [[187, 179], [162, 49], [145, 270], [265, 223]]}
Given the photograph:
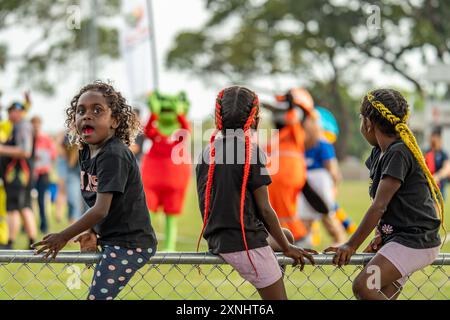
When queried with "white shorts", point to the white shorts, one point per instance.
{"points": [[320, 180]]}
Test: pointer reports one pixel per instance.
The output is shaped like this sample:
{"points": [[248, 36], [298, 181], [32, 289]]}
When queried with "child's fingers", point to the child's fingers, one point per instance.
{"points": [[330, 249], [295, 258], [336, 258], [347, 259], [342, 259], [310, 258], [302, 262], [37, 244], [42, 249], [48, 253], [55, 252], [311, 251]]}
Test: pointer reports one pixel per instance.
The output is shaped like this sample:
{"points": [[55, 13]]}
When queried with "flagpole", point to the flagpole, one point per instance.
{"points": [[92, 41], [152, 40]]}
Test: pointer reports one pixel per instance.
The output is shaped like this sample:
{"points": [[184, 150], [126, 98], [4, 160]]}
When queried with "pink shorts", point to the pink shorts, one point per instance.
{"points": [[408, 260], [265, 261]]}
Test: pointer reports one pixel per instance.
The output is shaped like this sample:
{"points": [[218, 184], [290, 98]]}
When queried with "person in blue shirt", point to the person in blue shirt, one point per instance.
{"points": [[437, 160], [323, 177]]}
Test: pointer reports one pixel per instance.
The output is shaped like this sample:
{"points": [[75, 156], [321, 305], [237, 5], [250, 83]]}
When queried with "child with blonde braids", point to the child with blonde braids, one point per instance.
{"points": [[232, 185], [407, 206]]}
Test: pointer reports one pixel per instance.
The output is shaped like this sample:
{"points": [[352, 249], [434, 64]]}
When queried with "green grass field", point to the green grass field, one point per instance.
{"points": [[51, 281]]}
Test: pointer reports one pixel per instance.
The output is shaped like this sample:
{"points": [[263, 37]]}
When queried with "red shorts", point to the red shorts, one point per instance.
{"points": [[170, 200]]}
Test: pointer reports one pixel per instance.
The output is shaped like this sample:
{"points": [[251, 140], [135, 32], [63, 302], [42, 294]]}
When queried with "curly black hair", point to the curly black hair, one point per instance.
{"points": [[129, 125], [393, 100]]}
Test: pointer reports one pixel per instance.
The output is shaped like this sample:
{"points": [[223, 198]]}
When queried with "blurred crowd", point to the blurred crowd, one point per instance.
{"points": [[39, 173]]}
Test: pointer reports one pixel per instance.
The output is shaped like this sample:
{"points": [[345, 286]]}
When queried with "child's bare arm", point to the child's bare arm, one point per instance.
{"points": [[92, 216], [272, 224], [386, 190], [54, 242], [269, 217]]}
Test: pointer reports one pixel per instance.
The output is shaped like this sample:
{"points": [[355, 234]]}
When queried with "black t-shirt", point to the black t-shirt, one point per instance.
{"points": [[114, 170], [410, 218], [223, 230]]}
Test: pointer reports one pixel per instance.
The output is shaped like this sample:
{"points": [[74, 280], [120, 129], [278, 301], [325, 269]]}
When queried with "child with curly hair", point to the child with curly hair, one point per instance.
{"points": [[103, 125], [407, 207]]}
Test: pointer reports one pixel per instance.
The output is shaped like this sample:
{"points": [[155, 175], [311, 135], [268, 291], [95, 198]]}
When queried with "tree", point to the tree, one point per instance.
{"points": [[326, 43], [58, 40]]}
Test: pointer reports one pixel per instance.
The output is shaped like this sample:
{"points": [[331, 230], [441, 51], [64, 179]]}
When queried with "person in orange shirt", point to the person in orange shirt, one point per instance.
{"points": [[287, 166], [45, 155]]}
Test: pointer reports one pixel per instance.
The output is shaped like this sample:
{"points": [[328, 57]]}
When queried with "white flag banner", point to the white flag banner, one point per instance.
{"points": [[135, 47]]}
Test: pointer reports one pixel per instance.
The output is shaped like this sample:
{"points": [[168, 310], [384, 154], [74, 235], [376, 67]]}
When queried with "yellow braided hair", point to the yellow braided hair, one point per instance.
{"points": [[410, 141]]}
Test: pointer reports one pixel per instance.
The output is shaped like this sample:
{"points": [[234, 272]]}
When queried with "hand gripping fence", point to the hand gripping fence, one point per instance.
{"points": [[176, 276]]}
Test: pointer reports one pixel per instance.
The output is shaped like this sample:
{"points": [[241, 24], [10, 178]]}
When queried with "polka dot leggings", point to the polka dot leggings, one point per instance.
{"points": [[115, 269]]}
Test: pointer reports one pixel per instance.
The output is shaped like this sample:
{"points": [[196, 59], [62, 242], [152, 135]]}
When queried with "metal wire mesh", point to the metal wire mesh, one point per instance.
{"points": [[193, 276]]}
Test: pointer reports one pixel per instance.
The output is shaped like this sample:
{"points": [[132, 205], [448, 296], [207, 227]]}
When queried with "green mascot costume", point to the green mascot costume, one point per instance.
{"points": [[166, 166]]}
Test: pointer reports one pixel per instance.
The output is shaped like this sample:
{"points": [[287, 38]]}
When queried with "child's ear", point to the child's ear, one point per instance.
{"points": [[115, 123]]}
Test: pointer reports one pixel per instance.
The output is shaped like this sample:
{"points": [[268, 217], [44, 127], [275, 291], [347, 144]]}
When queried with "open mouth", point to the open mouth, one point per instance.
{"points": [[87, 129]]}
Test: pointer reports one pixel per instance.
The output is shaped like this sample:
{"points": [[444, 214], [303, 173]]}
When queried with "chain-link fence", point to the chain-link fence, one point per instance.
{"points": [[188, 275]]}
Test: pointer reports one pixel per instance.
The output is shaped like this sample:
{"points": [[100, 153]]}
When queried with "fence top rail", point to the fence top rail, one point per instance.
{"points": [[188, 258]]}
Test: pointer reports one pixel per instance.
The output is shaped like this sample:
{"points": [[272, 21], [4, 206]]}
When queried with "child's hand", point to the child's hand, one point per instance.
{"points": [[374, 245], [88, 242], [50, 245], [299, 255], [343, 254]]}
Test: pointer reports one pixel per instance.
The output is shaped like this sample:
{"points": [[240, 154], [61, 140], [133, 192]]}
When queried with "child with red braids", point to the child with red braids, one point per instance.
{"points": [[232, 185]]}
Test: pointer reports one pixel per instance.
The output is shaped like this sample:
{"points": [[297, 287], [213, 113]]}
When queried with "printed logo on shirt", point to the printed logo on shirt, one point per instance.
{"points": [[91, 184], [387, 229]]}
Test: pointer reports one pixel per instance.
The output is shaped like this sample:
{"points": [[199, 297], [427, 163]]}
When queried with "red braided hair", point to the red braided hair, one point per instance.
{"points": [[212, 154], [248, 152], [247, 126]]}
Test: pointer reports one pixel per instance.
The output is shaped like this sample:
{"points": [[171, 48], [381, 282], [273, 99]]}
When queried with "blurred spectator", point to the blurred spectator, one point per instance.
{"points": [[17, 164], [5, 131], [437, 160], [69, 191], [136, 148], [323, 177], [45, 154]]}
